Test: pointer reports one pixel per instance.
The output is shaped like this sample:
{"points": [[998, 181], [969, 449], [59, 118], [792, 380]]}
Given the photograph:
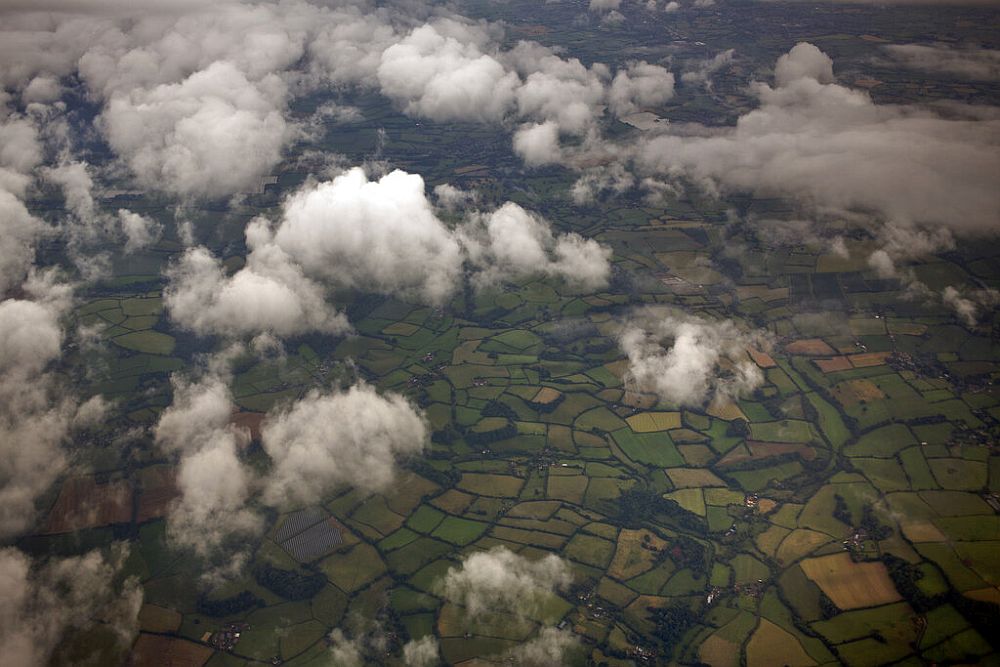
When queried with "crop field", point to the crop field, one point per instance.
{"points": [[159, 650], [851, 585], [83, 503], [648, 422]]}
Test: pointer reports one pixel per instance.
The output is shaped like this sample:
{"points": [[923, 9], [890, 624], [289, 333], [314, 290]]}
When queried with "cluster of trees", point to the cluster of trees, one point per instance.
{"points": [[827, 607], [550, 406], [670, 625], [495, 408], [689, 553], [228, 606], [983, 616], [289, 584], [841, 512], [478, 439], [443, 478], [638, 504], [905, 576], [869, 521]]}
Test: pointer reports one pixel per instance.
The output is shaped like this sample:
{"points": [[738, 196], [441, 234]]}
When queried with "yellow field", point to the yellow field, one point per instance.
{"points": [[769, 540], [687, 478], [867, 359], [854, 392], [546, 395], [727, 410], [485, 484], [833, 365], [922, 531], [851, 585], [765, 505], [453, 501], [984, 595], [631, 558], [771, 645], [762, 359], [650, 422], [693, 500], [401, 329], [799, 543], [816, 347]]}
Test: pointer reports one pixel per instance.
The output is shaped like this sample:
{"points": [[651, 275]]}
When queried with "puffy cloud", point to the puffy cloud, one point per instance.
{"points": [[832, 148], [36, 415], [214, 484], [977, 64], [422, 652], [882, 263], [348, 48], [20, 153], [140, 231], [195, 101], [344, 438], [20, 148], [345, 652], [702, 71], [39, 604], [439, 76], [380, 235], [323, 441], [384, 236], [19, 230], [967, 307], [902, 243], [511, 243], [640, 85], [964, 308], [451, 198], [686, 360], [804, 61], [548, 649], [77, 185], [500, 581], [193, 96], [614, 177], [213, 134], [538, 144], [370, 646], [268, 295], [613, 18], [559, 90]]}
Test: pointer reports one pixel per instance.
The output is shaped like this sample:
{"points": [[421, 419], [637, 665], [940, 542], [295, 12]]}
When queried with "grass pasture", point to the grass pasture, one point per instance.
{"points": [[149, 342], [787, 430], [655, 449], [484, 484]]}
